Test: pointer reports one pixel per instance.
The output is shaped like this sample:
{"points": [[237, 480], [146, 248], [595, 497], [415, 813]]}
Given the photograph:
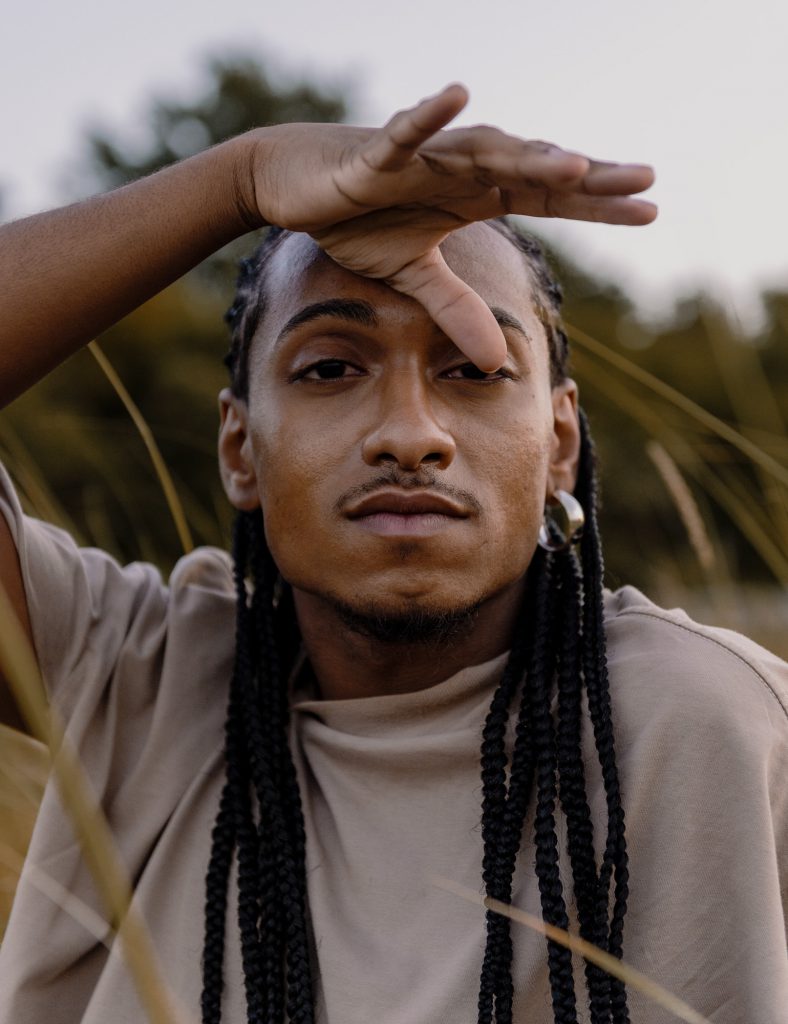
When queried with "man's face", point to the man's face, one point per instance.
{"points": [[392, 475]]}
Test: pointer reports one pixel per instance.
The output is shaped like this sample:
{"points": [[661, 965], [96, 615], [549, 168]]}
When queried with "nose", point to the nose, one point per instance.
{"points": [[406, 430]]}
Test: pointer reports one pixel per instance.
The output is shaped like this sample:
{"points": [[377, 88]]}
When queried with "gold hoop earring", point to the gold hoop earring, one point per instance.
{"points": [[563, 523]]}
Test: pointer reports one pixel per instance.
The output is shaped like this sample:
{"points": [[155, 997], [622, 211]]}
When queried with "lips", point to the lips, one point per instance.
{"points": [[406, 503], [393, 512]]}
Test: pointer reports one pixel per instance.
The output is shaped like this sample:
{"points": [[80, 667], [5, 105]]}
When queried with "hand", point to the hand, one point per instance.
{"points": [[380, 202]]}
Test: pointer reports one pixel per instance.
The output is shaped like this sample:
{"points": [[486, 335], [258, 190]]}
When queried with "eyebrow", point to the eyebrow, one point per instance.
{"points": [[506, 319], [356, 311], [352, 311]]}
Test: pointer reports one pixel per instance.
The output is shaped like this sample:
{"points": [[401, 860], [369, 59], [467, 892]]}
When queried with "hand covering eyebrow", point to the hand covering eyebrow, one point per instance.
{"points": [[379, 202]]}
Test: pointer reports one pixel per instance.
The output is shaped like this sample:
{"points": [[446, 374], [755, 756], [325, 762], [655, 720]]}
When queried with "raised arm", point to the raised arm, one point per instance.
{"points": [[379, 201], [67, 275]]}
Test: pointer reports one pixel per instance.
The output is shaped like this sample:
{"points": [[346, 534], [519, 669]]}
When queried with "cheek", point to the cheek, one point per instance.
{"points": [[516, 459], [294, 473], [517, 489], [522, 496]]}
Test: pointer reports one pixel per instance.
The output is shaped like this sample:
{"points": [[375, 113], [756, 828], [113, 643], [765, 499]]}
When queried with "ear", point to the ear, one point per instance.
{"points": [[565, 447], [235, 453]]}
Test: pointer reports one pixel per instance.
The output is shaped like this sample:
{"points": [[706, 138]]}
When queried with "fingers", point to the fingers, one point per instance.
{"points": [[536, 200], [609, 179], [393, 146], [600, 209], [504, 161], [493, 155], [455, 307]]}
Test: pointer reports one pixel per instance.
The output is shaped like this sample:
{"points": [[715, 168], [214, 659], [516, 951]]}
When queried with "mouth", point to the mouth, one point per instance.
{"points": [[397, 513]]}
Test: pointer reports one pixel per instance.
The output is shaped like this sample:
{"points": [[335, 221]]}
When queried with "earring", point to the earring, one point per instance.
{"points": [[563, 523]]}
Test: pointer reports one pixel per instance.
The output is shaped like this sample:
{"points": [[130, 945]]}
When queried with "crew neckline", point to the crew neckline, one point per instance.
{"points": [[466, 685]]}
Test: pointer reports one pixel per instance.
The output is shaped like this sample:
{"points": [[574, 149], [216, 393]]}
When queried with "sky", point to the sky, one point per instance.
{"points": [[698, 88]]}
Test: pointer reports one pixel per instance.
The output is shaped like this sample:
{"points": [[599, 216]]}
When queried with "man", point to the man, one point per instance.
{"points": [[398, 421]]}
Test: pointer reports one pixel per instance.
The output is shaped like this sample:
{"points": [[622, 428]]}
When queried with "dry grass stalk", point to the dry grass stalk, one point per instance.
{"points": [[76, 908], [165, 479], [21, 671], [711, 422], [629, 975], [770, 545], [24, 767], [767, 541], [750, 393], [685, 504]]}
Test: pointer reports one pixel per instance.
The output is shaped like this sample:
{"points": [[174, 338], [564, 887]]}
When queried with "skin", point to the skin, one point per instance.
{"points": [[403, 413], [381, 202]]}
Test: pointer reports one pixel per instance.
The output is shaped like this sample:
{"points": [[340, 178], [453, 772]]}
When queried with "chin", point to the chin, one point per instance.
{"points": [[407, 621]]}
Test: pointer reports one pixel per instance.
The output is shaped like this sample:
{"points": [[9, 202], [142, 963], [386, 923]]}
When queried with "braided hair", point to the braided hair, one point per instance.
{"points": [[558, 649]]}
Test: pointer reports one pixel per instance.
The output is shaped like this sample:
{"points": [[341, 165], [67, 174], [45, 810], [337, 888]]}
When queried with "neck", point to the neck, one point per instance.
{"points": [[348, 662]]}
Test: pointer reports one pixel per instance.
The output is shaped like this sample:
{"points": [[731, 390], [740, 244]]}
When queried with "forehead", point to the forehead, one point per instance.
{"points": [[300, 273]]}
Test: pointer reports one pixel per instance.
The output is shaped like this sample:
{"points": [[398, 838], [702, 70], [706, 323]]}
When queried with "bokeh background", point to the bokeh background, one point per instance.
{"points": [[680, 329]]}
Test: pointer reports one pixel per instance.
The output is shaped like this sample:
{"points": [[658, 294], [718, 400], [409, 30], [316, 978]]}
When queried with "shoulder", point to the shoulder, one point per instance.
{"points": [[701, 734], [666, 669], [93, 618]]}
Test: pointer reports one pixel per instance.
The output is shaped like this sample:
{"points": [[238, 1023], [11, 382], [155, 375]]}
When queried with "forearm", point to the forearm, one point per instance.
{"points": [[67, 275]]}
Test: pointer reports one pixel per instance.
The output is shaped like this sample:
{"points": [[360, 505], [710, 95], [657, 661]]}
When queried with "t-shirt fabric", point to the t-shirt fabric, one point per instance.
{"points": [[392, 798]]}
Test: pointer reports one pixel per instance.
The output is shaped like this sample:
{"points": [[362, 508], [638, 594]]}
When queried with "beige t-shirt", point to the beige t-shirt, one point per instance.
{"points": [[392, 797]]}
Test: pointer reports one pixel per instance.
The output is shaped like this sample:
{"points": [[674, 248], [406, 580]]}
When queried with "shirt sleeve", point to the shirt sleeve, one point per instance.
{"points": [[83, 605], [703, 757]]}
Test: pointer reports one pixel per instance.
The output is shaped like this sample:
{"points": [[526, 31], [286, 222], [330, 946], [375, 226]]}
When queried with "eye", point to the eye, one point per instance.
{"points": [[469, 371], [329, 369]]}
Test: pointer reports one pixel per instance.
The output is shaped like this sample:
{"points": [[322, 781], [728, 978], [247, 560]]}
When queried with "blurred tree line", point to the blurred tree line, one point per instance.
{"points": [[684, 509]]}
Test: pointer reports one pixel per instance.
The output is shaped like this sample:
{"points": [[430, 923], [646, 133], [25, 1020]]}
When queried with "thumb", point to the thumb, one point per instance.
{"points": [[455, 307]]}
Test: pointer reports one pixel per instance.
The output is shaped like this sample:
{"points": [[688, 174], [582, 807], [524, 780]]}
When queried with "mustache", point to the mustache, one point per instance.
{"points": [[421, 479]]}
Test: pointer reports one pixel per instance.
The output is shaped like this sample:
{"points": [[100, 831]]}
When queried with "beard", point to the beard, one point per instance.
{"points": [[419, 627]]}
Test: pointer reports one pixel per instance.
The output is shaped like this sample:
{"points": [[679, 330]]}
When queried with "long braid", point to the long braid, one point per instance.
{"points": [[615, 861], [559, 648], [578, 656], [494, 994], [540, 679], [267, 719], [264, 736], [234, 816], [271, 881], [223, 842], [286, 827], [572, 789], [224, 831]]}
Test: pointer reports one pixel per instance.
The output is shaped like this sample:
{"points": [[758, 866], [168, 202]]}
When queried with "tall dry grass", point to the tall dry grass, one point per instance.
{"points": [[705, 463]]}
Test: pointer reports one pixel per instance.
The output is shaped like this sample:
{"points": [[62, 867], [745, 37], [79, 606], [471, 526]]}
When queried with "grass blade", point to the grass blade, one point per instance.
{"points": [[629, 975], [20, 669], [675, 397], [685, 503], [170, 494], [759, 536]]}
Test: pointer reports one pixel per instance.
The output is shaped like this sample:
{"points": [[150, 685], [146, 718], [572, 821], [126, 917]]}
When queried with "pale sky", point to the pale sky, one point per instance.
{"points": [[698, 88]]}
